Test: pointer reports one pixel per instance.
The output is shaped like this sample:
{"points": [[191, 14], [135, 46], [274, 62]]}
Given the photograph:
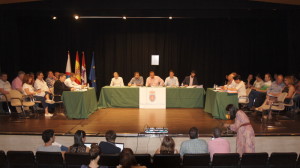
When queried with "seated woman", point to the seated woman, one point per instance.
{"points": [[167, 146], [289, 89], [245, 140], [79, 139], [127, 159], [95, 157]]}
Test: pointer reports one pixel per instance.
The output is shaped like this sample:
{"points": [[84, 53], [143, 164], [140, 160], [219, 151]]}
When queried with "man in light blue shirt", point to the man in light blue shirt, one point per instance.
{"points": [[137, 80], [194, 145], [277, 86], [171, 80]]}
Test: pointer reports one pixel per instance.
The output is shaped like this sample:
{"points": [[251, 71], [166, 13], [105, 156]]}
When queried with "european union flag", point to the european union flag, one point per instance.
{"points": [[92, 76]]}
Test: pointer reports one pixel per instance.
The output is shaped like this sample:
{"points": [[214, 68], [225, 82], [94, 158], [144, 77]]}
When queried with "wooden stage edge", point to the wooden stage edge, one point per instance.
{"points": [[131, 122]]}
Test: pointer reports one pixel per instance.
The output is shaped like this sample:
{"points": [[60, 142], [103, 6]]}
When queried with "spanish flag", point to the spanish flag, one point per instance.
{"points": [[77, 70]]}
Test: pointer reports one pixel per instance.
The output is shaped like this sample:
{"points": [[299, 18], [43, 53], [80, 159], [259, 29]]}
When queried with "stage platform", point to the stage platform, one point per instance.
{"points": [[133, 121]]}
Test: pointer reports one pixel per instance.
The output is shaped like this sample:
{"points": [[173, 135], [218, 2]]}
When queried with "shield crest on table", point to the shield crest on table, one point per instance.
{"points": [[152, 96]]}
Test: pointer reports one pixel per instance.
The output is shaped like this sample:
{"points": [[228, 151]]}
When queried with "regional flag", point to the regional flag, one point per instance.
{"points": [[83, 70], [68, 66]]}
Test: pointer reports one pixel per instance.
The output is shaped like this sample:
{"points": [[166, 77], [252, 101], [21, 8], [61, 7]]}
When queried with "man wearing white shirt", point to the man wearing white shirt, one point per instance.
{"points": [[43, 92], [231, 82], [171, 80], [70, 82], [240, 87], [116, 80], [5, 87], [153, 80]]}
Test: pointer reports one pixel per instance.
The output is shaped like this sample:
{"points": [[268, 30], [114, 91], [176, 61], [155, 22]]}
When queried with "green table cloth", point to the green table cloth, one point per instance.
{"points": [[128, 97], [216, 102], [80, 104]]}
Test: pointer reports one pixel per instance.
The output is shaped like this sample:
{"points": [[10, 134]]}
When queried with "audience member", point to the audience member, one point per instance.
{"points": [[297, 97], [289, 89], [5, 87], [190, 80], [95, 153], [109, 146], [116, 80], [153, 80], [258, 83], [137, 80], [79, 140], [127, 159], [194, 145], [249, 81], [17, 83], [49, 138], [50, 80], [257, 96], [218, 144], [171, 80], [42, 92], [167, 146], [245, 141], [56, 74]]}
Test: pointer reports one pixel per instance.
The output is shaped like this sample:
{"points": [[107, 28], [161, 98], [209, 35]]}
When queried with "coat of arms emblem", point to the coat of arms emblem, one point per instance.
{"points": [[152, 96]]}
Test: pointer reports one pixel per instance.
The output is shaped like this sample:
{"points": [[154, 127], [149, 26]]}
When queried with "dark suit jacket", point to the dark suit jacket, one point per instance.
{"points": [[59, 87], [186, 81], [109, 148]]}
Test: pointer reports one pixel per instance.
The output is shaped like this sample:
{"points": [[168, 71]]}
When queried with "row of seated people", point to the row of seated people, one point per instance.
{"points": [[45, 91], [261, 90]]}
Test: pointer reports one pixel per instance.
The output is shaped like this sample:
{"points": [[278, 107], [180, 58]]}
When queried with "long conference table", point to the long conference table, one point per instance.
{"points": [[128, 97]]}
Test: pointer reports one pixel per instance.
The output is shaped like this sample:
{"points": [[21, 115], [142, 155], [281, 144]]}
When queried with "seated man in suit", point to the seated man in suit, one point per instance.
{"points": [[190, 80], [60, 87], [109, 146]]}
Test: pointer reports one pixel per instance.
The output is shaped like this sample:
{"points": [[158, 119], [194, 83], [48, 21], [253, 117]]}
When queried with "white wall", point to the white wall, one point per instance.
{"points": [[150, 144]]}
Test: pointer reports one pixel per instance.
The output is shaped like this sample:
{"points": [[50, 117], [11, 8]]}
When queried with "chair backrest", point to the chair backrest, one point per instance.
{"points": [[255, 160], [196, 160], [283, 159], [281, 97], [166, 161], [143, 160], [16, 97], [110, 160], [76, 159], [24, 159], [3, 161], [49, 160], [291, 103], [226, 160]]}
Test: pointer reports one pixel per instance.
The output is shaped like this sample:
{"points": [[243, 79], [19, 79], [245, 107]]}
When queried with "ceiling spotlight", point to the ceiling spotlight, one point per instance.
{"points": [[124, 17], [170, 17], [54, 17], [76, 17]]}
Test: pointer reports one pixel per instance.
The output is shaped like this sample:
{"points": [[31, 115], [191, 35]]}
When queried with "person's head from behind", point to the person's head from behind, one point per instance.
{"points": [[137, 75], [50, 74], [72, 77], [127, 158], [79, 138], [3, 76], [193, 73], [48, 136], [193, 132], [152, 74], [279, 79], [167, 145], [217, 132], [28, 79], [95, 153], [267, 77], [232, 110], [110, 136], [237, 79], [171, 73], [258, 78], [289, 80], [62, 77], [40, 75], [116, 75], [21, 74]]}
